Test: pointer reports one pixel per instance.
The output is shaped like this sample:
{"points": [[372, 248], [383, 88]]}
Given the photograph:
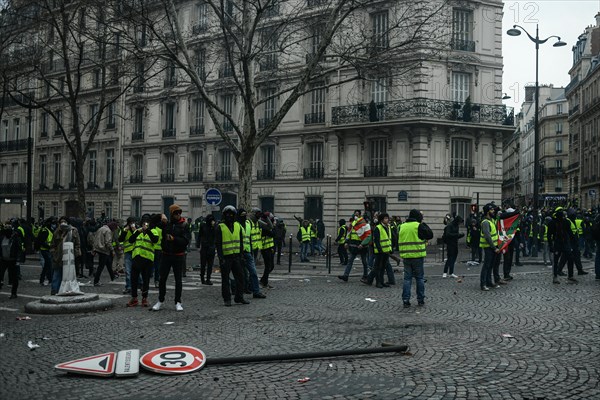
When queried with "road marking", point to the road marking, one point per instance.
{"points": [[8, 309], [27, 296]]}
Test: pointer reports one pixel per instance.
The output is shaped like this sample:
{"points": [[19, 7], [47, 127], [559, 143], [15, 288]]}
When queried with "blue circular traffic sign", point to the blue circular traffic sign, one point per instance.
{"points": [[213, 197]]}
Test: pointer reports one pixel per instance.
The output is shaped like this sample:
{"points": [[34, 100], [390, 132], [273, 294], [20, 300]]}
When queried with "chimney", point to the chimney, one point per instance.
{"points": [[598, 19], [529, 93]]}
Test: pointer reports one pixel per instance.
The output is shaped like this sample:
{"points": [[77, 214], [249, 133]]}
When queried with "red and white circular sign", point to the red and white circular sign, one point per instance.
{"points": [[173, 360]]}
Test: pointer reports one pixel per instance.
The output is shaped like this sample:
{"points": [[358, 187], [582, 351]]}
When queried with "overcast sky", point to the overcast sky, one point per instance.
{"points": [[564, 18]]}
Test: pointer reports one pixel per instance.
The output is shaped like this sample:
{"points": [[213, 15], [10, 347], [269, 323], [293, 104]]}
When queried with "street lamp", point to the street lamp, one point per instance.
{"points": [[516, 31]]}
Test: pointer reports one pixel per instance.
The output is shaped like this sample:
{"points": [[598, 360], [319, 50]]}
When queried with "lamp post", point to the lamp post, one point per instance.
{"points": [[516, 31]]}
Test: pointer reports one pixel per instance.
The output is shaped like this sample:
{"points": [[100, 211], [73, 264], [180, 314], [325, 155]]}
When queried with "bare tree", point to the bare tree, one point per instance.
{"points": [[290, 47], [72, 69]]}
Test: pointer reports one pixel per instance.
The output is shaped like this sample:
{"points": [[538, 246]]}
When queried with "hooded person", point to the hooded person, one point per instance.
{"points": [[11, 242], [206, 243], [451, 236], [175, 239]]}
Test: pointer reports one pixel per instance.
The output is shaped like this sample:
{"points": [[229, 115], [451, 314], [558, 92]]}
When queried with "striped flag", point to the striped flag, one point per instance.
{"points": [[507, 227]]}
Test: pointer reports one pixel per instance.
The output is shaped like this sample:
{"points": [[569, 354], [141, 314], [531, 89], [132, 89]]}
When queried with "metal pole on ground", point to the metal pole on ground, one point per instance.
{"points": [[290, 257]]}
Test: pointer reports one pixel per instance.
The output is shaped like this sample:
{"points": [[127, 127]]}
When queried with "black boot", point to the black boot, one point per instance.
{"points": [[202, 271], [208, 274]]}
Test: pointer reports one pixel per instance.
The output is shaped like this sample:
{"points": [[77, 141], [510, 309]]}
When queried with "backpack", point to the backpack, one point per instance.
{"points": [[11, 246]]}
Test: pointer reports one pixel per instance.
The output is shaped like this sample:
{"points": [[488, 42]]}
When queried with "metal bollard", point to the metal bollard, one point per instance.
{"points": [[329, 253], [290, 258]]}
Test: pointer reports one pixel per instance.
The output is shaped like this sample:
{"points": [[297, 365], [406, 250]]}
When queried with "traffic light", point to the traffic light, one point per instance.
{"points": [[474, 208]]}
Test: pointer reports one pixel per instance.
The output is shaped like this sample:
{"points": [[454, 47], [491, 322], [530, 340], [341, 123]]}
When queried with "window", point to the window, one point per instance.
{"points": [[316, 155], [267, 169], [17, 126], [137, 169], [378, 203], [93, 112], [72, 173], [460, 161], [57, 172], [108, 209], [225, 171], [136, 207], [15, 172], [111, 121], [91, 209], [377, 158], [460, 207], [41, 210], [141, 35], [58, 117], [140, 72], [269, 50], [171, 75], [228, 109], [380, 30], [138, 124], [169, 130], [559, 128], [559, 146], [201, 17], [196, 205], [110, 168], [559, 110], [461, 86], [313, 207], [462, 30], [559, 184], [44, 127], [315, 39], [317, 105], [43, 170], [558, 164], [5, 130], [197, 127], [267, 203], [197, 163], [55, 210], [97, 79], [379, 90], [92, 167], [199, 64], [169, 167], [269, 106]]}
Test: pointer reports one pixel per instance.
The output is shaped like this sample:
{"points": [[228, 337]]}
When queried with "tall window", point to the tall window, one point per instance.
{"points": [[92, 156], [270, 50], [169, 119], [57, 167], [198, 115], [461, 207], [317, 105], [97, 78], [200, 63], [110, 167], [228, 109], [59, 121], [43, 169], [559, 146], [379, 90], [170, 164], [138, 167], [72, 173], [378, 152], [93, 111], [5, 130], [268, 158], [55, 210], [111, 121], [315, 39], [559, 184], [44, 118], [225, 155], [558, 164], [171, 76], [315, 151], [140, 71], [559, 109], [381, 38], [17, 126], [197, 163], [461, 86], [108, 209], [138, 121], [136, 207], [460, 160], [559, 128], [269, 104], [462, 30]]}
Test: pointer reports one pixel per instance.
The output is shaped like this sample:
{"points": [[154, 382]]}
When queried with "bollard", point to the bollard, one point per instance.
{"points": [[329, 253], [290, 258]]}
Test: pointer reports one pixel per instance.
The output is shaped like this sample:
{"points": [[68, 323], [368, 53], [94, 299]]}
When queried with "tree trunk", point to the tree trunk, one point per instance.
{"points": [[80, 188], [245, 178]]}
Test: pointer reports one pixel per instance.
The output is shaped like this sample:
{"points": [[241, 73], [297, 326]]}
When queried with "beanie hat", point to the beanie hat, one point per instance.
{"points": [[414, 214], [112, 225], [173, 208]]}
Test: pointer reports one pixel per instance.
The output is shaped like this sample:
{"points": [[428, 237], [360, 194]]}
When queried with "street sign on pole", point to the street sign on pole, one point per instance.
{"points": [[99, 365], [173, 360], [213, 197]]}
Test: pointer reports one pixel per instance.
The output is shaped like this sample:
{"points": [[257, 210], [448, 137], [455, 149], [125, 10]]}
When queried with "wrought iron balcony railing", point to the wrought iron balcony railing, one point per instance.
{"points": [[72, 185], [227, 126], [137, 136], [170, 82], [43, 186], [462, 45], [57, 186], [166, 178], [376, 170], [110, 125], [314, 118], [13, 188], [262, 122], [197, 130], [138, 89], [267, 174], [136, 178], [195, 177], [109, 185], [554, 172], [462, 172], [223, 176], [13, 145], [269, 64], [199, 27], [168, 133], [314, 173], [422, 108]]}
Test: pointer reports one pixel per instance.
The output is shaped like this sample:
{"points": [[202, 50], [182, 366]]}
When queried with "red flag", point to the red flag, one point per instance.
{"points": [[507, 227]]}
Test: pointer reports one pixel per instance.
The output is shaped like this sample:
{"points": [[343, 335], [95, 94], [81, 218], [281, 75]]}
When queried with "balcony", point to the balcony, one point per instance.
{"points": [[574, 110], [314, 118], [554, 172], [13, 188], [13, 145], [267, 174], [314, 173], [262, 122], [225, 71], [195, 177], [375, 171], [43, 186], [167, 178], [170, 83], [422, 108], [72, 185], [168, 133], [462, 172], [137, 136], [136, 178], [92, 186], [111, 125], [223, 176], [227, 126], [269, 64], [57, 186], [199, 27], [108, 185], [462, 45], [197, 130], [138, 89]]}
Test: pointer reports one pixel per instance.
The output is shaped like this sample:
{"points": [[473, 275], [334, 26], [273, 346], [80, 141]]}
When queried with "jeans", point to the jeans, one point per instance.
{"points": [[176, 263], [46, 266], [413, 268], [489, 258], [476, 252], [56, 280], [207, 260], [508, 259], [140, 266], [354, 252], [127, 261], [451, 260], [251, 268], [304, 249], [104, 260], [546, 252]]}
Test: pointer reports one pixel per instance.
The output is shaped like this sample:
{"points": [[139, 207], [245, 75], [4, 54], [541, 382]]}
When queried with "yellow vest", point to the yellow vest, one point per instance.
{"points": [[247, 234], [256, 234], [267, 242], [305, 234], [343, 238], [579, 227], [231, 240], [143, 247], [493, 233], [127, 247], [385, 239], [574, 228], [313, 233], [409, 244], [157, 232], [46, 246]]}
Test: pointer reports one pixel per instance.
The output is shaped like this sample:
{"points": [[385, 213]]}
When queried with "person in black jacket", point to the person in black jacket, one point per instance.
{"points": [[206, 243], [11, 242], [451, 236], [175, 238], [560, 238]]}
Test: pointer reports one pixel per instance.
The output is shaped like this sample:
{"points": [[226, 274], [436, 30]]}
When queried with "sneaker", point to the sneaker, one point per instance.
{"points": [[571, 280], [501, 282], [144, 302], [485, 288], [259, 296], [555, 281], [178, 307], [133, 302], [97, 284], [495, 286], [406, 304], [343, 277], [156, 307], [242, 301], [582, 272], [453, 276], [444, 275], [127, 291], [508, 278], [366, 281]]}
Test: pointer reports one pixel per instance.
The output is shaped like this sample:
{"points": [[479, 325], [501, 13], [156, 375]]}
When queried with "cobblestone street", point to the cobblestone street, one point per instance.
{"points": [[457, 347]]}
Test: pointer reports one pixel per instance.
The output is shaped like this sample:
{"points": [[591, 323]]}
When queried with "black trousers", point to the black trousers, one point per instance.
{"points": [[104, 260], [13, 274], [167, 263], [343, 253], [560, 259], [232, 264], [207, 260], [269, 259], [496, 267], [381, 260], [140, 266], [508, 259], [278, 247]]}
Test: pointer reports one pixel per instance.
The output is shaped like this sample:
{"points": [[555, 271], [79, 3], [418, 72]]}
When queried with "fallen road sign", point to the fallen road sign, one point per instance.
{"points": [[99, 365], [128, 363], [174, 360]]}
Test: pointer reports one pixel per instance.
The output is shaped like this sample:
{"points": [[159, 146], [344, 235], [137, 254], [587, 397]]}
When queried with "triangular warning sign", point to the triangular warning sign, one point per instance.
{"points": [[100, 365]]}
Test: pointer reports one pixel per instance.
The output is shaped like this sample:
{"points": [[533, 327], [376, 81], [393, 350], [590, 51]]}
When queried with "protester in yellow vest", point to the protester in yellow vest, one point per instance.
{"points": [[43, 241], [412, 245], [124, 236], [156, 224], [229, 241], [340, 240], [489, 243], [247, 257], [142, 254], [382, 246]]}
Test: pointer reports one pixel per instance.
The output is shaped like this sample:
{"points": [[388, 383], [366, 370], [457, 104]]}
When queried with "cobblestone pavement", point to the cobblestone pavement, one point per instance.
{"points": [[456, 345]]}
